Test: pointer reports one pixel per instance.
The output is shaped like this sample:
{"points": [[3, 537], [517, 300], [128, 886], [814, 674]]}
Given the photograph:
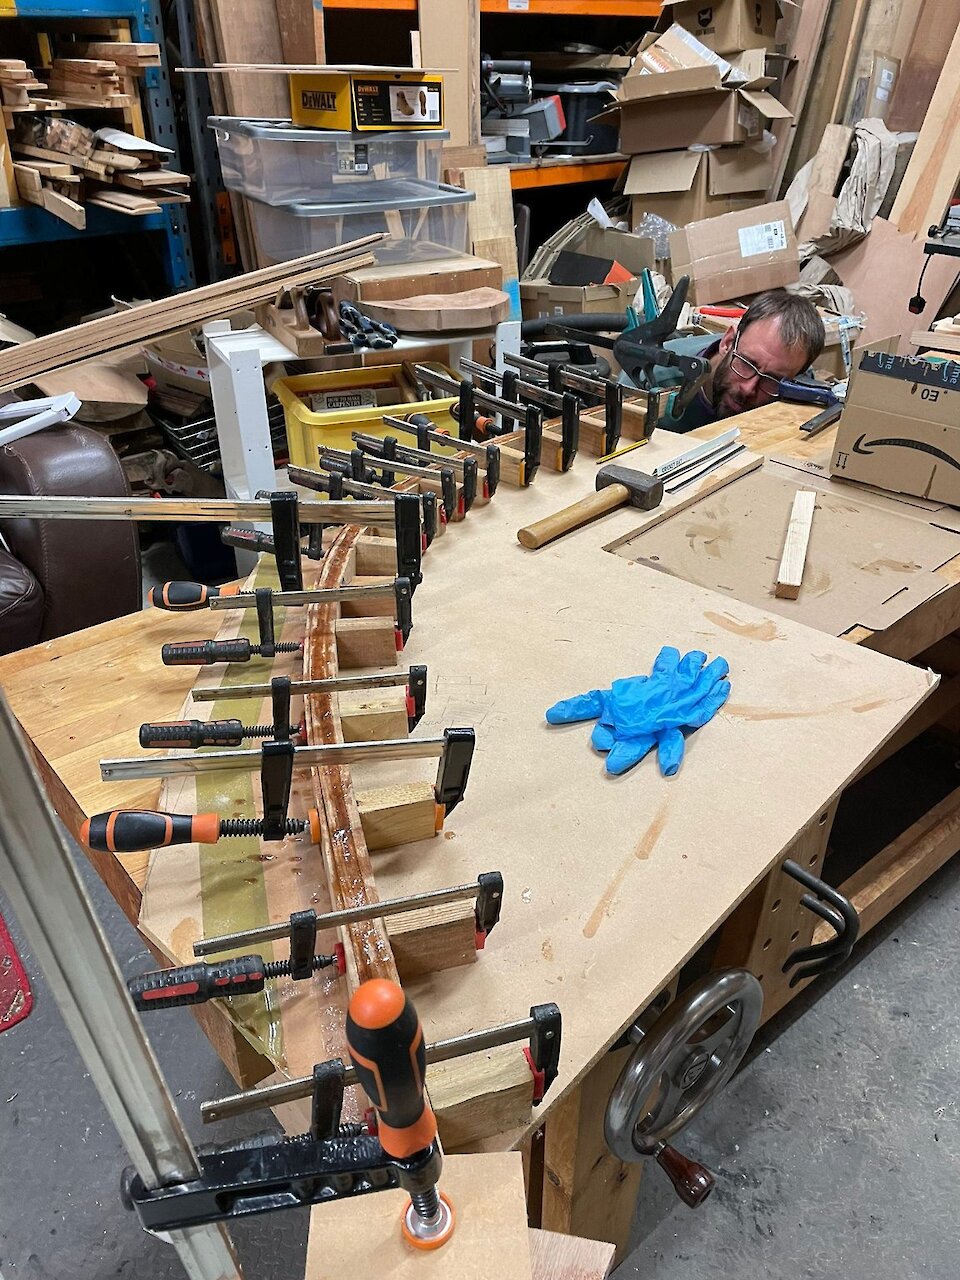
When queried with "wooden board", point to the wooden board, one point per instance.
{"points": [[922, 41], [794, 558], [438, 312], [731, 541], [557, 1257], [931, 177], [450, 37], [361, 1237]]}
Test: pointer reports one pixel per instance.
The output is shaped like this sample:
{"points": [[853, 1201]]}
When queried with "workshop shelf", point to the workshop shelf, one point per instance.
{"points": [[562, 171]]}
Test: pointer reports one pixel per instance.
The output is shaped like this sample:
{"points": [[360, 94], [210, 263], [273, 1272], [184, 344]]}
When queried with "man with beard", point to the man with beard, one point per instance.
{"points": [[779, 336]]}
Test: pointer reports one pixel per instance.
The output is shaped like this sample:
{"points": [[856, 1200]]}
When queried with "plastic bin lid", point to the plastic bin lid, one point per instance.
{"points": [[420, 195], [595, 86], [287, 131]]}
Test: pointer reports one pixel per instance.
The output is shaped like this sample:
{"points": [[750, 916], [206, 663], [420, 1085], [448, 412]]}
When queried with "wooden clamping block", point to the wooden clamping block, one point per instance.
{"points": [[401, 814], [374, 717], [378, 606], [481, 1096], [366, 642], [633, 426], [375, 557], [433, 938], [511, 457], [409, 484]]}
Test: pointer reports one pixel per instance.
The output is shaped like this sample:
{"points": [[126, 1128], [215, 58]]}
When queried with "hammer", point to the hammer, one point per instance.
{"points": [[616, 486]]}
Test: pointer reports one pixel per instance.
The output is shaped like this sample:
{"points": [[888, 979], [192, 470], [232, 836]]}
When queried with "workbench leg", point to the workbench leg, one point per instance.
{"points": [[587, 1191], [770, 923]]}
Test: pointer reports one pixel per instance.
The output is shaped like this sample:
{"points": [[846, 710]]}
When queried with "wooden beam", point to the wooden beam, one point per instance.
{"points": [[931, 177], [65, 209], [557, 1257], [794, 557]]}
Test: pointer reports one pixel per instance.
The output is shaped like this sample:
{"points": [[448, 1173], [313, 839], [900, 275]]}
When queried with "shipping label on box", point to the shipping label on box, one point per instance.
{"points": [[900, 428], [737, 254]]}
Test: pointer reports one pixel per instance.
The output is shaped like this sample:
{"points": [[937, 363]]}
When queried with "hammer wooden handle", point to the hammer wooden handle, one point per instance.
{"points": [[572, 517]]}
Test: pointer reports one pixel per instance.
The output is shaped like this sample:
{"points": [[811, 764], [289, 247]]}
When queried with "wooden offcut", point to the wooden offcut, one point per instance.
{"points": [[794, 557], [931, 177]]}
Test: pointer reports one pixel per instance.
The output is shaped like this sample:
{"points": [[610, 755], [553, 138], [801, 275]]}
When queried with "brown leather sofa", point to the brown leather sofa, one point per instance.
{"points": [[58, 576]]}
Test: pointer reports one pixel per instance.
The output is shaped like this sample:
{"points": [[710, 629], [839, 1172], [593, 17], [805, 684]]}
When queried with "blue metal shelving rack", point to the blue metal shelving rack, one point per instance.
{"points": [[30, 224]]}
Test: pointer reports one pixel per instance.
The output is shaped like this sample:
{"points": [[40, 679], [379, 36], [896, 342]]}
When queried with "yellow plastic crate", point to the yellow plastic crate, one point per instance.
{"points": [[308, 430]]}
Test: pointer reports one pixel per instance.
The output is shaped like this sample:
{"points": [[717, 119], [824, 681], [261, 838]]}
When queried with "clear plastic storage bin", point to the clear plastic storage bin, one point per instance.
{"points": [[274, 161], [421, 220]]}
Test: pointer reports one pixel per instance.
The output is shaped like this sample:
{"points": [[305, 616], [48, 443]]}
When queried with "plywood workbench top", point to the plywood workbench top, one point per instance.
{"points": [[610, 884]]}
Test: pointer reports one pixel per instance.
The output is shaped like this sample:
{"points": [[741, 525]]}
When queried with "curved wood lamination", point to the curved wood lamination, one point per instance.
{"points": [[345, 852]]}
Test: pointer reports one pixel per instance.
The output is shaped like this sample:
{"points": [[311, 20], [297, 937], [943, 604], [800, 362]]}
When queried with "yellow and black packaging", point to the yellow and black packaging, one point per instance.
{"points": [[361, 100]]}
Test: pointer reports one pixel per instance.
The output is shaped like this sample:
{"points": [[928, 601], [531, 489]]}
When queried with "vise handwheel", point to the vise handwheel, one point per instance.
{"points": [[680, 1062]]}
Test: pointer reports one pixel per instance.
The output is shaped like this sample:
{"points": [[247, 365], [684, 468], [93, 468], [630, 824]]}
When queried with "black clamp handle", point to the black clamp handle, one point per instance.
{"points": [[838, 911], [543, 1053], [454, 770]]}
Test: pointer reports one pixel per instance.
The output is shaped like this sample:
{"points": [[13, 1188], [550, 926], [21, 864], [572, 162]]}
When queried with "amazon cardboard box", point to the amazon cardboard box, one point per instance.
{"points": [[726, 26], [737, 254], [679, 94], [900, 434], [688, 186]]}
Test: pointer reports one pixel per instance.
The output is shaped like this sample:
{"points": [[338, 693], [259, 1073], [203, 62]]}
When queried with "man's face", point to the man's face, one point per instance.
{"points": [[737, 387]]}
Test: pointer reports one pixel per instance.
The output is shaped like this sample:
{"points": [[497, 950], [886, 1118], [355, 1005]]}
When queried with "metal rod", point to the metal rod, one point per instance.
{"points": [[705, 466], [222, 510], [45, 890], [493, 403], [327, 595], [481, 371], [436, 459], [272, 1095], [336, 919], [702, 450], [339, 684], [380, 463], [179, 765]]}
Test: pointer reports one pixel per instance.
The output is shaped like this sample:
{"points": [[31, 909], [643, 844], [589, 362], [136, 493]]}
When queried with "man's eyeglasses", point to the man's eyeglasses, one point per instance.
{"points": [[744, 369]]}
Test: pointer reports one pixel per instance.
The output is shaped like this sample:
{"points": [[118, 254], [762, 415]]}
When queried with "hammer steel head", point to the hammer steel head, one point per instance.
{"points": [[646, 492]]}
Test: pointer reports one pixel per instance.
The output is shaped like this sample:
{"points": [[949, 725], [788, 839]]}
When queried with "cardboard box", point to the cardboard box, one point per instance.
{"points": [[408, 280], [386, 100], [701, 99], [688, 186], [900, 435], [726, 26], [541, 298], [737, 254]]}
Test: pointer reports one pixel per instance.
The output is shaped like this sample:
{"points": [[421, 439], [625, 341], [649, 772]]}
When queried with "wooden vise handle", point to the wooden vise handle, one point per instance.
{"points": [[572, 517]]}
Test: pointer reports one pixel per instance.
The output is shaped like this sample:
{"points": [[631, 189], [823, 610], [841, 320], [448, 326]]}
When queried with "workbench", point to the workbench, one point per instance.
{"points": [[613, 887]]}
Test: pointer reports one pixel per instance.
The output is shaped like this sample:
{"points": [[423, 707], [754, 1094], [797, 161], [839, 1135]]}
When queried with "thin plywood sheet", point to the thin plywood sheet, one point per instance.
{"points": [[867, 564]]}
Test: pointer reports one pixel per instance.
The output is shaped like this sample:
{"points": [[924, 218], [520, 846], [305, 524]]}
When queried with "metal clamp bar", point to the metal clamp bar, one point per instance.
{"points": [[180, 765], [327, 595], [492, 403], [430, 458], [339, 684], [273, 1095], [337, 919], [178, 510]]}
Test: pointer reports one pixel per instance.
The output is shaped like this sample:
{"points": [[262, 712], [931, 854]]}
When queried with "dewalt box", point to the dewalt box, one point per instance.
{"points": [[367, 99]]}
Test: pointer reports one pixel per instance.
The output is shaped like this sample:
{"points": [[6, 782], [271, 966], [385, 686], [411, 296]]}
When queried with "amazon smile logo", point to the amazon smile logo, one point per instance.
{"points": [[864, 446]]}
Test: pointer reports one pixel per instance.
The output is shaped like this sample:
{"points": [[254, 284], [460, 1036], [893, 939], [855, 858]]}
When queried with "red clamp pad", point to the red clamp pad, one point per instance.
{"points": [[486, 489], [370, 1121], [461, 507], [16, 998], [423, 543], [411, 706], [341, 955], [479, 938], [398, 637], [539, 1077]]}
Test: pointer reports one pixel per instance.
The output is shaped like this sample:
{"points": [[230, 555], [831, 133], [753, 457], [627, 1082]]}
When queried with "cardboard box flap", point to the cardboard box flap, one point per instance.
{"points": [[633, 252], [671, 84], [662, 173], [749, 70], [732, 170], [766, 104]]}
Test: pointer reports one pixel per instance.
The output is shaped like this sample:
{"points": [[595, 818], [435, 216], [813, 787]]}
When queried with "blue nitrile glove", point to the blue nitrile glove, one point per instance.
{"points": [[641, 712]]}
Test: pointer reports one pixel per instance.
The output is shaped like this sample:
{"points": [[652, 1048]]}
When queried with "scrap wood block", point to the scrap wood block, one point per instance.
{"points": [[481, 1096], [401, 814], [361, 1235], [790, 573], [433, 939]]}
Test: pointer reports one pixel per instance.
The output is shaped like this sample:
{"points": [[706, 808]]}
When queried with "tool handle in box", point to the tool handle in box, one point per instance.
{"points": [[580, 513]]}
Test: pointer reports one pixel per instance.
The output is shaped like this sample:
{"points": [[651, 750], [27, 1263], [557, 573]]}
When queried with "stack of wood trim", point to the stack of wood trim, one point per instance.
{"points": [[153, 320], [94, 82], [61, 158], [18, 86]]}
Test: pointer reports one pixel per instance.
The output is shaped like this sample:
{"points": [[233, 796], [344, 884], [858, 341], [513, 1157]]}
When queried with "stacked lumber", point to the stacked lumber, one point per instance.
{"points": [[62, 166], [18, 90], [95, 82], [151, 320]]}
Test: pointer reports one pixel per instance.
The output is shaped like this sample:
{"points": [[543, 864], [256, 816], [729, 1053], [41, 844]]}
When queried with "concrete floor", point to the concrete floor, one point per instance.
{"points": [[835, 1148]]}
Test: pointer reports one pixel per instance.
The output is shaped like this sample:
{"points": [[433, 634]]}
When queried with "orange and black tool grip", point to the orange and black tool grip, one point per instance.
{"points": [[132, 830], [203, 653], [184, 596], [387, 1049], [196, 983], [192, 733]]}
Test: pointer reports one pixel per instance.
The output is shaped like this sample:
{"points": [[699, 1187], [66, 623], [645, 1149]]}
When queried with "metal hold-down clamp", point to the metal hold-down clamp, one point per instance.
{"points": [[367, 462], [419, 425], [560, 378], [339, 486], [415, 680], [831, 906], [389, 450], [561, 403]]}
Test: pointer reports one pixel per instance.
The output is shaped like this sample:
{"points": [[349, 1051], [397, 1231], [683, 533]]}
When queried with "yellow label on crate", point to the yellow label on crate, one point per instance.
{"points": [[342, 100]]}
